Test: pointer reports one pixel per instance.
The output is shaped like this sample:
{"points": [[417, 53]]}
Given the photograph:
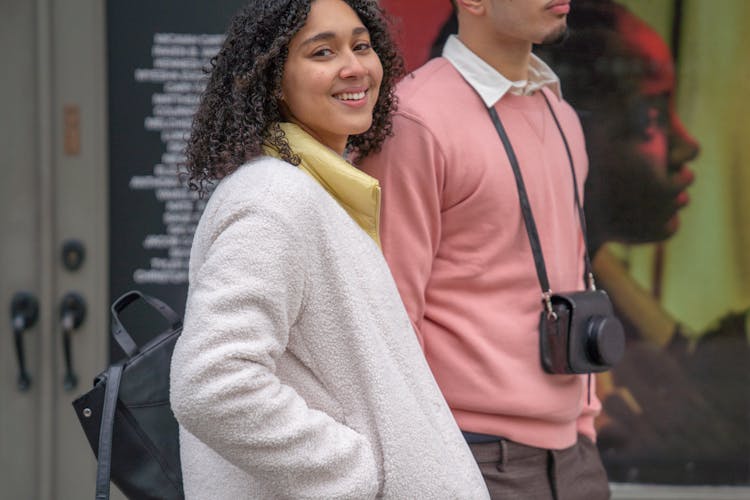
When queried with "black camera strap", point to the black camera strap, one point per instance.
{"points": [[528, 217]]}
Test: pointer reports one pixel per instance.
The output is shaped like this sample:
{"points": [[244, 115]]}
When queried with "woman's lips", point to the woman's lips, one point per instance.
{"points": [[682, 179], [684, 176], [354, 98], [682, 199]]}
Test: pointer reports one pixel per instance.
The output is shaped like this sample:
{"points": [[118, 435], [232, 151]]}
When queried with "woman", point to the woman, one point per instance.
{"points": [[297, 374]]}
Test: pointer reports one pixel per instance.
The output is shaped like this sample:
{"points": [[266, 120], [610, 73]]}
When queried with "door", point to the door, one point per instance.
{"points": [[52, 198], [19, 253]]}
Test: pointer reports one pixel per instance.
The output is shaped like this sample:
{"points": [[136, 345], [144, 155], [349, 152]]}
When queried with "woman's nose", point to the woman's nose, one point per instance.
{"points": [[683, 147], [352, 66]]}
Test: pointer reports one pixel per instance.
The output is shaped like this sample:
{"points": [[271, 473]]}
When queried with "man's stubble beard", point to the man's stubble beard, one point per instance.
{"points": [[556, 37]]}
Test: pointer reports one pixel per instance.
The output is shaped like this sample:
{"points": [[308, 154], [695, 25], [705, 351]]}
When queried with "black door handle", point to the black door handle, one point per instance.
{"points": [[24, 311], [72, 314]]}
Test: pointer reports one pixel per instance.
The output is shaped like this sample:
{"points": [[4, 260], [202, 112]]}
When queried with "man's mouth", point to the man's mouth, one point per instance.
{"points": [[559, 6]]}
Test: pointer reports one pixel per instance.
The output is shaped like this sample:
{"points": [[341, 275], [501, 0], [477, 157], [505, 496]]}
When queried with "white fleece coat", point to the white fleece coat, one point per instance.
{"points": [[298, 374]]}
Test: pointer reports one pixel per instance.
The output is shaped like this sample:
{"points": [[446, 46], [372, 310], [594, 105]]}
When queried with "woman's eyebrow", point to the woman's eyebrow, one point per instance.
{"points": [[327, 35]]}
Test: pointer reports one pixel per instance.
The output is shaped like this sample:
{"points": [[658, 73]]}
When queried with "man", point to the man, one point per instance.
{"points": [[453, 233]]}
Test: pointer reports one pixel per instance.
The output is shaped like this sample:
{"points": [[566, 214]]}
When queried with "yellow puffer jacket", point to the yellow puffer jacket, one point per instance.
{"points": [[354, 190]]}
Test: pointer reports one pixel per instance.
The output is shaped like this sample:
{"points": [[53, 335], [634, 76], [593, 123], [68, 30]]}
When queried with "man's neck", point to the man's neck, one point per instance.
{"points": [[510, 57]]}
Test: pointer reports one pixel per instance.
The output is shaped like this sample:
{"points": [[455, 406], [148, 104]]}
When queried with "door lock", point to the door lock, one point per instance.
{"points": [[24, 312], [72, 315], [73, 254]]}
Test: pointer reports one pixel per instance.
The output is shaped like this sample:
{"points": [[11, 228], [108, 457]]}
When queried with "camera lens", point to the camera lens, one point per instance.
{"points": [[606, 340]]}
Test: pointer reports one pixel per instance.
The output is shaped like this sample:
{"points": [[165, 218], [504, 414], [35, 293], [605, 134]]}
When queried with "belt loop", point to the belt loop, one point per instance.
{"points": [[503, 462]]}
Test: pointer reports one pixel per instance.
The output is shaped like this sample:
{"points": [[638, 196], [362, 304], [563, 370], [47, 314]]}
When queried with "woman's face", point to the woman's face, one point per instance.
{"points": [[639, 148], [332, 75]]}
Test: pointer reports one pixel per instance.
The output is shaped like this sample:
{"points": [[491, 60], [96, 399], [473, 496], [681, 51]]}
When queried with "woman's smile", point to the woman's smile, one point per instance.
{"points": [[355, 98]]}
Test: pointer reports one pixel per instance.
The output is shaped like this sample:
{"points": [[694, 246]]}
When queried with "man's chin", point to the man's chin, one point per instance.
{"points": [[556, 37]]}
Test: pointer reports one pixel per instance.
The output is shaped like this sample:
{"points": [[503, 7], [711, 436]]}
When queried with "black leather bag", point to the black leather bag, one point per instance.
{"points": [[127, 418]]}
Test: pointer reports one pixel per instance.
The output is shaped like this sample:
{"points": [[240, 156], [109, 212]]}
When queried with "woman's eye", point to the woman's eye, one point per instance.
{"points": [[361, 47], [322, 53], [646, 118]]}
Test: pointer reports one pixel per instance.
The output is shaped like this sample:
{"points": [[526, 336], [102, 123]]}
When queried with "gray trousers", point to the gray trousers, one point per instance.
{"points": [[515, 471]]}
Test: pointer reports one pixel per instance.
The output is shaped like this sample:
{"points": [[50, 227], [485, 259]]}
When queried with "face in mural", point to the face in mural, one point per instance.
{"points": [[639, 148]]}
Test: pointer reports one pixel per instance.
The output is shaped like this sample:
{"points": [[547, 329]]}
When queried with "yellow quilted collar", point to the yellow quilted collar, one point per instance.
{"points": [[354, 190]]}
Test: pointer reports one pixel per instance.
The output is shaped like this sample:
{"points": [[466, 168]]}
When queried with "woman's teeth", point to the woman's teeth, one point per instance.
{"points": [[350, 96]]}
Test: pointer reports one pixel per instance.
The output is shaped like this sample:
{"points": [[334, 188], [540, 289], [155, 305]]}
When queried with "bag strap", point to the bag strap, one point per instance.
{"points": [[528, 216], [589, 278], [121, 335], [104, 454]]}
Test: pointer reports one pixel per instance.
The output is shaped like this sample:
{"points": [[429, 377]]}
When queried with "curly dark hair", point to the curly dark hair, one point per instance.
{"points": [[239, 110]]}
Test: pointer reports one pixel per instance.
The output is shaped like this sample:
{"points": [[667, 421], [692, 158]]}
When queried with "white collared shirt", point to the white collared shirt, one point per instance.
{"points": [[488, 82]]}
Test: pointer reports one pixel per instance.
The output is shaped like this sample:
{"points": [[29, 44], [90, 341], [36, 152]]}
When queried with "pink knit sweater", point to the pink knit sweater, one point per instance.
{"points": [[455, 240]]}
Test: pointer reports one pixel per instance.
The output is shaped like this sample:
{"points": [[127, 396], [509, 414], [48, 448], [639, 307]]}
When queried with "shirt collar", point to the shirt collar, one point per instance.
{"points": [[489, 83]]}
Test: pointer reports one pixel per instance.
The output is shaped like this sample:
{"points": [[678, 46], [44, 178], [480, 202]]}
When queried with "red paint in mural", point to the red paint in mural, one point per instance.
{"points": [[417, 24]]}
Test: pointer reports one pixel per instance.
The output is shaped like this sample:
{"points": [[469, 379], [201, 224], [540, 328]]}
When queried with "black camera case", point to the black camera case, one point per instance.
{"points": [[578, 331], [580, 334]]}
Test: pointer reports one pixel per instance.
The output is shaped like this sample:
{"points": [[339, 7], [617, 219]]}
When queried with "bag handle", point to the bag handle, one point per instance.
{"points": [[106, 430], [121, 335]]}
